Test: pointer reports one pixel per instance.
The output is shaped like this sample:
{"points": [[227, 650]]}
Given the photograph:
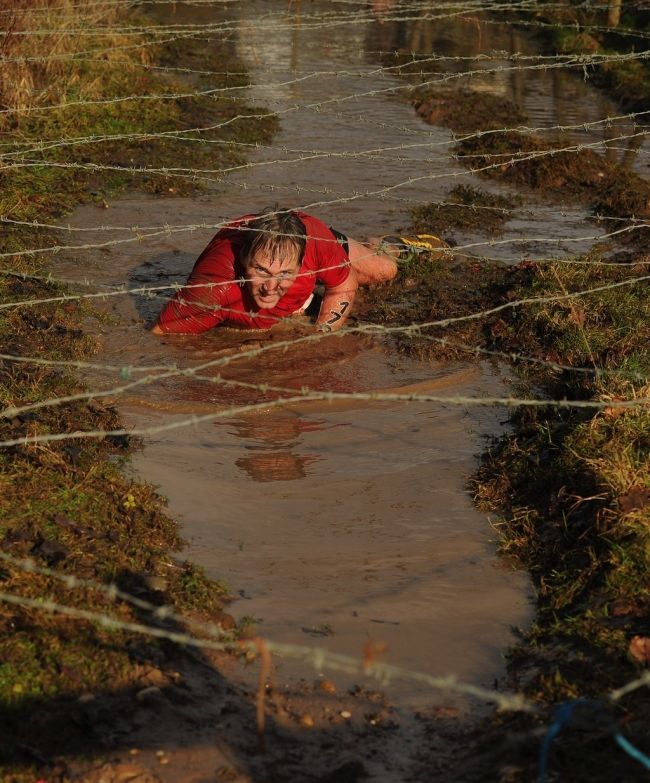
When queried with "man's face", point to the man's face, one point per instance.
{"points": [[269, 279]]}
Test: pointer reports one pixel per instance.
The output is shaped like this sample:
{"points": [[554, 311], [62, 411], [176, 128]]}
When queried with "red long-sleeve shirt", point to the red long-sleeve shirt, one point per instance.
{"points": [[218, 298]]}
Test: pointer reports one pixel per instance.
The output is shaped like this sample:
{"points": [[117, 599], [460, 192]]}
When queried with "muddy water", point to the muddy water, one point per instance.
{"points": [[333, 523], [336, 523]]}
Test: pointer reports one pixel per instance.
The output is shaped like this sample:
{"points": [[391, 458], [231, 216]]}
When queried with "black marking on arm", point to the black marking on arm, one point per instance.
{"points": [[336, 314]]}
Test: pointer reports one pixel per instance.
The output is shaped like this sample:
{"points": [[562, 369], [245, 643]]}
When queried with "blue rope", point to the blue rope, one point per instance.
{"points": [[629, 748], [562, 716]]}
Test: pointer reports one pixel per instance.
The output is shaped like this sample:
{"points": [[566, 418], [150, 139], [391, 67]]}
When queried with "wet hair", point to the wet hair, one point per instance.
{"points": [[278, 232]]}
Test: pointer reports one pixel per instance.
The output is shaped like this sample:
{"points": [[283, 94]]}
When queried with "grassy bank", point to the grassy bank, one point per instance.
{"points": [[578, 29], [573, 488], [569, 490], [68, 504]]}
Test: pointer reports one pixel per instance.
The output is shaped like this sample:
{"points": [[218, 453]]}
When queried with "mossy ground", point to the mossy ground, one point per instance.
{"points": [[467, 208], [572, 491], [69, 504]]}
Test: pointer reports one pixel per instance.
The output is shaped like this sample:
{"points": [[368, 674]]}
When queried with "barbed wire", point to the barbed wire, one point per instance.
{"points": [[422, 130], [199, 175], [310, 394], [570, 61], [397, 69], [184, 134], [519, 22], [355, 18], [153, 291], [524, 156], [626, 32], [515, 357], [148, 291], [87, 4], [321, 396], [263, 388], [403, 65], [91, 4], [319, 657], [72, 56], [78, 364]]}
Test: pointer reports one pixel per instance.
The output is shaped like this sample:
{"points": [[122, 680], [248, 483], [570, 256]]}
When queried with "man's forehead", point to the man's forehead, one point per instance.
{"points": [[275, 262]]}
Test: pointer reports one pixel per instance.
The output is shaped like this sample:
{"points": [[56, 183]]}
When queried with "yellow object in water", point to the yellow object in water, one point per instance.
{"points": [[419, 243]]}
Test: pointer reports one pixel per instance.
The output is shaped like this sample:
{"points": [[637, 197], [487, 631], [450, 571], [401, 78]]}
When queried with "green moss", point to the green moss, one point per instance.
{"points": [[573, 487], [465, 208]]}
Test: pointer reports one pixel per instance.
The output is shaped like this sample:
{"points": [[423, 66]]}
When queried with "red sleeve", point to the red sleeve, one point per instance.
{"points": [[204, 300]]}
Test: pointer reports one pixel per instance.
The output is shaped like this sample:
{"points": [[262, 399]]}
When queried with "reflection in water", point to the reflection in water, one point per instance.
{"points": [[275, 465], [548, 97], [275, 436]]}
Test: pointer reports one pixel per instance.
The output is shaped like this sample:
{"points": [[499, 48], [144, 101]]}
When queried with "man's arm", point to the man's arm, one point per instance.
{"points": [[337, 304], [195, 308]]}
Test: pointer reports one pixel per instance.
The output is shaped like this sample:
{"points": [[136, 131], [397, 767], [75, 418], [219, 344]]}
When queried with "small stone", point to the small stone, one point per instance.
{"points": [[225, 621], [86, 698], [151, 676], [346, 714], [327, 686], [306, 721]]}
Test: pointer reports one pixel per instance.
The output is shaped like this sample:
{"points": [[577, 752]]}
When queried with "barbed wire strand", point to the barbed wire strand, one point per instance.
{"points": [[515, 357], [302, 394], [320, 658], [570, 61]]}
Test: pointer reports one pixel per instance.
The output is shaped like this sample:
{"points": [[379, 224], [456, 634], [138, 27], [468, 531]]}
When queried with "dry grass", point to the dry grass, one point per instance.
{"points": [[38, 50]]}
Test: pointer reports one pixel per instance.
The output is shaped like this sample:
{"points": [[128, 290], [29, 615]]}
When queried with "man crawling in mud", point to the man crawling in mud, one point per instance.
{"points": [[262, 268]]}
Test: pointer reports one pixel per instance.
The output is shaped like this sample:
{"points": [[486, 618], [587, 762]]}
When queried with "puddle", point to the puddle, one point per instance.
{"points": [[333, 523], [341, 524]]}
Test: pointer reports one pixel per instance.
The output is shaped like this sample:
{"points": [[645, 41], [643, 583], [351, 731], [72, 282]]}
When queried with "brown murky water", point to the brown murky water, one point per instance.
{"points": [[333, 523]]}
